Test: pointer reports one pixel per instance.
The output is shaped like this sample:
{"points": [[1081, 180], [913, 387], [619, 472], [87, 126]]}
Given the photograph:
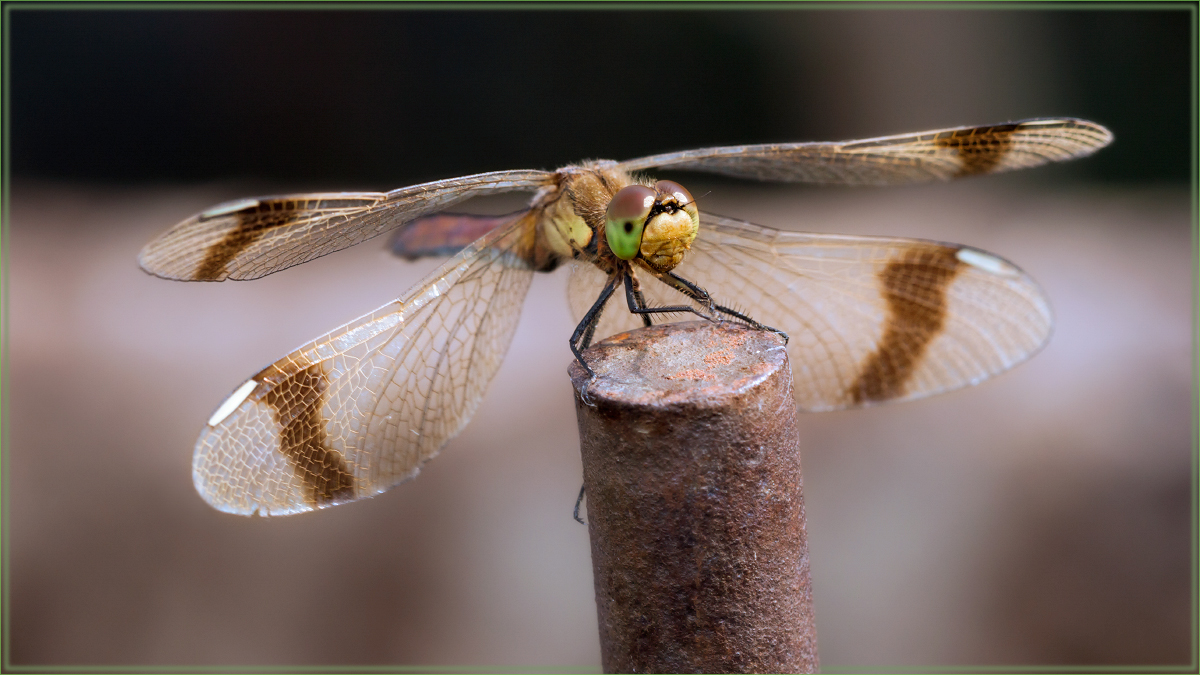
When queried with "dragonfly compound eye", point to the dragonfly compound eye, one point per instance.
{"points": [[670, 187], [627, 213]]}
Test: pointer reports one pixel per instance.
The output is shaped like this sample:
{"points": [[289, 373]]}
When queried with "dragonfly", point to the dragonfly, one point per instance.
{"points": [[868, 319]]}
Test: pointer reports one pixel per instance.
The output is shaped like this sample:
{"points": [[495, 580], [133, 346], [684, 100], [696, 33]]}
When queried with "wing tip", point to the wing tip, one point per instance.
{"points": [[1096, 136], [151, 261]]}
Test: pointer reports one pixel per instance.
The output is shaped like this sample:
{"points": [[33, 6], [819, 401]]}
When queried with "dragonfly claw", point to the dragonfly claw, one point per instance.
{"points": [[578, 503], [583, 393], [769, 329]]}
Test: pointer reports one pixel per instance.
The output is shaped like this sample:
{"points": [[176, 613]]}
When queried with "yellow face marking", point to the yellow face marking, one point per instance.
{"points": [[667, 237]]}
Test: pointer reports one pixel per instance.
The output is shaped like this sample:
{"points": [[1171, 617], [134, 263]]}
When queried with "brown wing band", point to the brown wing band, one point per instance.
{"points": [[297, 399], [253, 223], [980, 149], [914, 287]]}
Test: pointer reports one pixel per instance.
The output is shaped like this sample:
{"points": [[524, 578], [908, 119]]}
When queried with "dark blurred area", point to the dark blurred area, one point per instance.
{"points": [[398, 95], [1042, 520]]}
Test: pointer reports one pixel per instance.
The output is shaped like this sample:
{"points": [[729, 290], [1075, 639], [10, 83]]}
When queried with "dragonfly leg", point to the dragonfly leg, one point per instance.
{"points": [[700, 295], [578, 503], [639, 299], [641, 303], [752, 323], [636, 307], [688, 288], [587, 327], [588, 335]]}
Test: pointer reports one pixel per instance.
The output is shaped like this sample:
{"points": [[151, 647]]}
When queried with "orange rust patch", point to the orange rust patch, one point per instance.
{"points": [[693, 374], [619, 337], [727, 340], [722, 358]]}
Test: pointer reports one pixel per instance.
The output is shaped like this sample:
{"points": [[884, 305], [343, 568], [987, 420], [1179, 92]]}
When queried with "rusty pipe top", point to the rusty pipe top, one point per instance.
{"points": [[695, 511]]}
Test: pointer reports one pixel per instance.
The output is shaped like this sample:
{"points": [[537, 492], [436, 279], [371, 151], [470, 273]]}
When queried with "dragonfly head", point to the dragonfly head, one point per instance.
{"points": [[657, 224]]}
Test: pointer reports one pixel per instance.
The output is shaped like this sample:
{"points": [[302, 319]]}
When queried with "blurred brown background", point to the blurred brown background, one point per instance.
{"points": [[1043, 519]]}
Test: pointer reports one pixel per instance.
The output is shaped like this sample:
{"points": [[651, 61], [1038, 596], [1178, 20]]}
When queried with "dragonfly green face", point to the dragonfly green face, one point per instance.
{"points": [[356, 411]]}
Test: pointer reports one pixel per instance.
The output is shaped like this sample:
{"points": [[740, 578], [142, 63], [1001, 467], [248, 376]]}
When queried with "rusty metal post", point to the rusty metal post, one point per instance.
{"points": [[692, 470]]}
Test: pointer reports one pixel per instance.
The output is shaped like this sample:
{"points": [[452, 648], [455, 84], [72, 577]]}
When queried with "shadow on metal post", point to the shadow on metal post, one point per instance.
{"points": [[692, 469]]}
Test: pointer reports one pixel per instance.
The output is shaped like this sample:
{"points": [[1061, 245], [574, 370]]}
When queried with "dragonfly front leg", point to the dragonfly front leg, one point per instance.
{"points": [[687, 288], [591, 330], [588, 335], [700, 295], [637, 303], [640, 300], [751, 322], [582, 337]]}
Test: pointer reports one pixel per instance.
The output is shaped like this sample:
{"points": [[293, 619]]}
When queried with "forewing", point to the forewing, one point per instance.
{"points": [[907, 158], [443, 234], [251, 238], [870, 319], [359, 410]]}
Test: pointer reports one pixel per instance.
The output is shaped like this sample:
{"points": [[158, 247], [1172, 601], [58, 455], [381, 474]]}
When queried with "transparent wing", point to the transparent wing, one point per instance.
{"points": [[359, 410], [251, 238], [871, 319], [907, 158], [443, 234]]}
